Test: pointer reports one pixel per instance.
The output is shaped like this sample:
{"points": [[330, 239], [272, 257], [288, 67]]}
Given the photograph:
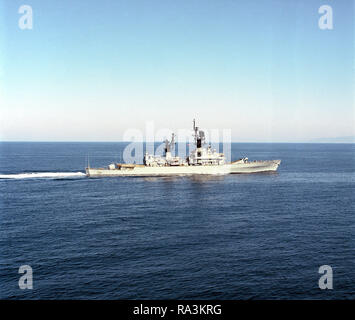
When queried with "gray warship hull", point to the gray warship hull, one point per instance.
{"points": [[142, 170], [201, 161]]}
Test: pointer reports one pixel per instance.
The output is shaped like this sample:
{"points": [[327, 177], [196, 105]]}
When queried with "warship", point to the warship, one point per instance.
{"points": [[202, 160]]}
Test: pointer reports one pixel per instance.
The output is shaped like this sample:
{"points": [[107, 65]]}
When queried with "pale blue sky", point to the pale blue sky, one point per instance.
{"points": [[89, 70]]}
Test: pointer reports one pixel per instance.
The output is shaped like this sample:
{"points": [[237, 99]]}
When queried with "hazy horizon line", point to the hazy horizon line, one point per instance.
{"points": [[117, 141]]}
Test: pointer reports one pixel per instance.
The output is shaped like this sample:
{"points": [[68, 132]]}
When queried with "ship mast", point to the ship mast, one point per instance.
{"points": [[169, 146], [199, 135]]}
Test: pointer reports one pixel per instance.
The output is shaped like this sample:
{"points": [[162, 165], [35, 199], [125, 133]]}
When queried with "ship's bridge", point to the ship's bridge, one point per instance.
{"points": [[202, 156]]}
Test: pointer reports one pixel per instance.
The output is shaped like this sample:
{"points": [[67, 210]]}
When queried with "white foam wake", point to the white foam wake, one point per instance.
{"points": [[36, 175]]}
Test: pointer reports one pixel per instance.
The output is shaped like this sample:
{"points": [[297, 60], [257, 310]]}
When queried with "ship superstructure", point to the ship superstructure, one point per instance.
{"points": [[200, 156]]}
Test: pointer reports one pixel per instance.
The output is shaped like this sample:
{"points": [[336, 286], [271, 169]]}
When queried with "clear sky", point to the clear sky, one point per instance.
{"points": [[89, 70]]}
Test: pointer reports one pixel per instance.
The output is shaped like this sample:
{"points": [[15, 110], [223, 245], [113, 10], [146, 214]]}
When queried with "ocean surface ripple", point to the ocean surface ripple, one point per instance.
{"points": [[258, 236]]}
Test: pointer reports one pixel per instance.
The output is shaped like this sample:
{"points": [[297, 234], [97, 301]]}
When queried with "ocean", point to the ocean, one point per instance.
{"points": [[251, 236]]}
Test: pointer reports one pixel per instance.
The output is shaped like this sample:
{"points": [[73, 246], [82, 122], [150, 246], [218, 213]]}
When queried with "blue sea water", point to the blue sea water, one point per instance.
{"points": [[252, 236]]}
